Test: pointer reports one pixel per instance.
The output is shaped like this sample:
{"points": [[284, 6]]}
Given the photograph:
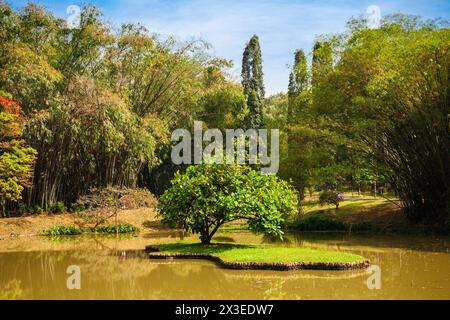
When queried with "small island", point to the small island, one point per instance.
{"points": [[208, 196], [239, 256]]}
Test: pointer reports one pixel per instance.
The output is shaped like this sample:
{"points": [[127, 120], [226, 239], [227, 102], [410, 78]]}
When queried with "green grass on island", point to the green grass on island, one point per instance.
{"points": [[247, 253]]}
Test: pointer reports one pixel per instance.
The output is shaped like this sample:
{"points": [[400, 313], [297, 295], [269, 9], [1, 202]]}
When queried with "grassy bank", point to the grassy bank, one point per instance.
{"points": [[359, 214], [366, 214], [144, 219], [246, 253]]}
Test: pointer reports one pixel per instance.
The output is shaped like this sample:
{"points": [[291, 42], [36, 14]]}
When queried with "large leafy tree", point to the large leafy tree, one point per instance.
{"points": [[208, 196], [222, 105], [253, 82]]}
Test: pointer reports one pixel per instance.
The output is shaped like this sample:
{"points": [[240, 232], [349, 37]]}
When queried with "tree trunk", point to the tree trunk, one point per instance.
{"points": [[206, 236], [206, 241], [375, 189]]}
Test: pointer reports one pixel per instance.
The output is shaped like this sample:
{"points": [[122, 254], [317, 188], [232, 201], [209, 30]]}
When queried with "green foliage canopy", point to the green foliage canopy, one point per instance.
{"points": [[208, 196]]}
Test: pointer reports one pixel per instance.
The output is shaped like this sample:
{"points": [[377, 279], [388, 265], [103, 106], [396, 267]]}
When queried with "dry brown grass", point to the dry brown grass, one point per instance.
{"points": [[144, 218]]}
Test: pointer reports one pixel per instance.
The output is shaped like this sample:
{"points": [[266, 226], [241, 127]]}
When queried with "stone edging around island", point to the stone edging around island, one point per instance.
{"points": [[277, 266]]}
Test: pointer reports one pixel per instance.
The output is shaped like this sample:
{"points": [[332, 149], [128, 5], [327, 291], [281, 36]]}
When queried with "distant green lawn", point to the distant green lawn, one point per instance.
{"points": [[246, 253], [355, 215], [348, 206]]}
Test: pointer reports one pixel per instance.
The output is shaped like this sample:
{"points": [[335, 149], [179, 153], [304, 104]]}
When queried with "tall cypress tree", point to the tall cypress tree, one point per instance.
{"points": [[295, 161], [322, 59], [298, 83], [253, 83]]}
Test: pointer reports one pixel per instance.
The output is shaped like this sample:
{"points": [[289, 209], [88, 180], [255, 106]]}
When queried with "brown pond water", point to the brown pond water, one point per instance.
{"points": [[35, 268]]}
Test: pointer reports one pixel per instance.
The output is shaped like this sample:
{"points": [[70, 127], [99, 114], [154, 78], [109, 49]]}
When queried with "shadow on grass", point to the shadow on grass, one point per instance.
{"points": [[224, 239]]}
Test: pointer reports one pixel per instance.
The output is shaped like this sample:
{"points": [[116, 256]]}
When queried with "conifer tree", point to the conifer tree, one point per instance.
{"points": [[252, 82], [322, 59], [298, 83]]}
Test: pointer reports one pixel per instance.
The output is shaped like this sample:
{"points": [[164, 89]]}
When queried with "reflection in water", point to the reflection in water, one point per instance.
{"points": [[12, 290], [115, 268]]}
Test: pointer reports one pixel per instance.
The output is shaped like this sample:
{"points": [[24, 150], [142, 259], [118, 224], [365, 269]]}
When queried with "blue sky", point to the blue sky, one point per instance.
{"points": [[283, 26]]}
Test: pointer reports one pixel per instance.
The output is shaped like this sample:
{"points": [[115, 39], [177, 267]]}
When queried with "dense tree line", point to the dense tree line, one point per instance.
{"points": [[373, 109], [98, 104], [393, 82]]}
